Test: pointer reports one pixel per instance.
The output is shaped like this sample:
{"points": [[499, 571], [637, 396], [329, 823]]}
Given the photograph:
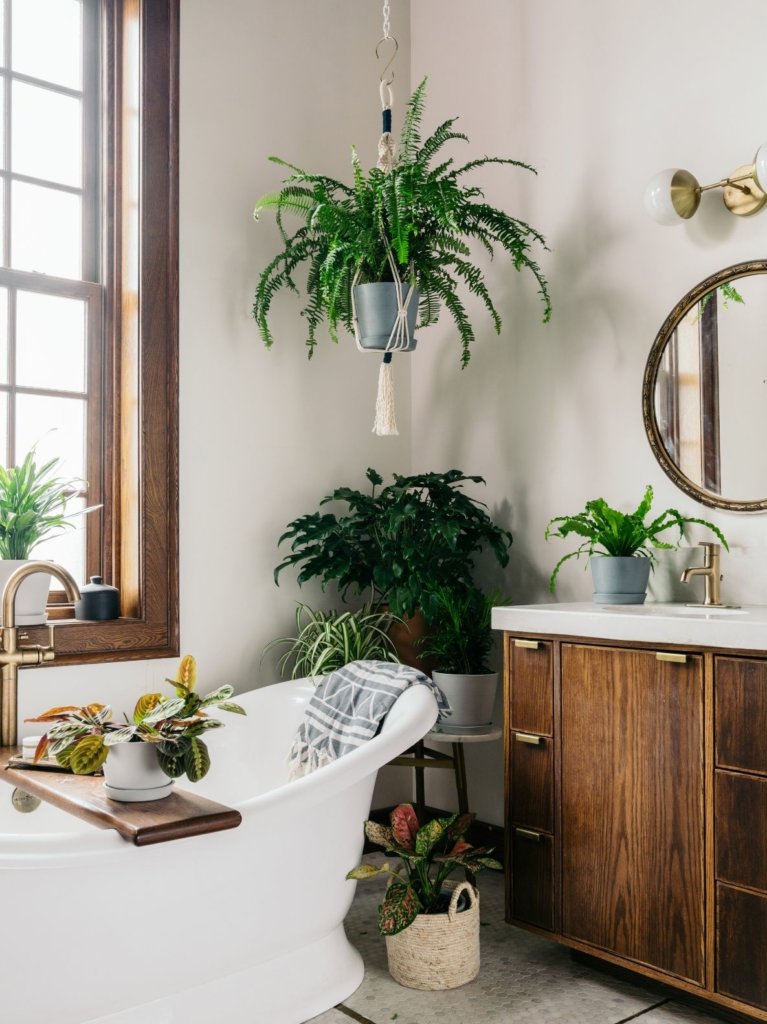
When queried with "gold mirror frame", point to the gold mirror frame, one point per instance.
{"points": [[676, 315]]}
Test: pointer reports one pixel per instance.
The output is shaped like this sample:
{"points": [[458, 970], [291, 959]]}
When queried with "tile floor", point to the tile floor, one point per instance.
{"points": [[523, 979]]}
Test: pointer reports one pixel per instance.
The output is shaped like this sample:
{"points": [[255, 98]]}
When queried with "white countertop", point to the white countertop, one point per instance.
{"points": [[744, 628]]}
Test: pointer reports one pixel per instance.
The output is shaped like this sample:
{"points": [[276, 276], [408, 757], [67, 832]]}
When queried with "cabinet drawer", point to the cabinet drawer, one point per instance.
{"points": [[532, 781], [532, 869], [741, 966], [741, 829], [741, 714], [532, 686]]}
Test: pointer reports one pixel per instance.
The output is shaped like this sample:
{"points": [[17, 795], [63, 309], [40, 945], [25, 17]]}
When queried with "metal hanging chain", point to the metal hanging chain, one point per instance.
{"points": [[386, 20]]}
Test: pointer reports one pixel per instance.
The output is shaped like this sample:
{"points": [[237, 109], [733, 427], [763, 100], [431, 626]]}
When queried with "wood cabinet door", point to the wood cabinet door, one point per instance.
{"points": [[633, 806]]}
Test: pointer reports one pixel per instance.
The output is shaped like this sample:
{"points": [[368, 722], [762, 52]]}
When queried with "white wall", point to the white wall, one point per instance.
{"points": [[264, 434], [598, 96]]}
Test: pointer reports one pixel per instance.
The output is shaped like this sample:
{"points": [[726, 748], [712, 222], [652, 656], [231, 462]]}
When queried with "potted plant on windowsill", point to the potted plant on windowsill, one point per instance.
{"points": [[621, 545], [459, 645], [432, 941], [326, 641], [412, 224], [142, 757], [398, 544], [33, 508]]}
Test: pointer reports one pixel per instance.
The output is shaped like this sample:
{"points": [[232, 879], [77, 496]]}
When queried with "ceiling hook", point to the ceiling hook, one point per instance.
{"points": [[385, 39]]}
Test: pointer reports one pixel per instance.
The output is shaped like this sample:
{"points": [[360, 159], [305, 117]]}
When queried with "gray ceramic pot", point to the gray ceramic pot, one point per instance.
{"points": [[620, 580], [376, 305], [471, 698]]}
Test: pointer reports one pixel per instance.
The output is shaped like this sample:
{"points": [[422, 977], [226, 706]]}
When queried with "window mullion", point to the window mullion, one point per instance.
{"points": [[7, 28]]}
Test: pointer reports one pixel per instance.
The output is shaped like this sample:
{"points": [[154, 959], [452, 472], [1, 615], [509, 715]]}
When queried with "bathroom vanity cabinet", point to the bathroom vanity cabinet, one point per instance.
{"points": [[636, 794]]}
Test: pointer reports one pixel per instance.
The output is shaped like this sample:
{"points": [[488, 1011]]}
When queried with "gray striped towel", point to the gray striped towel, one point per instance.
{"points": [[347, 710]]}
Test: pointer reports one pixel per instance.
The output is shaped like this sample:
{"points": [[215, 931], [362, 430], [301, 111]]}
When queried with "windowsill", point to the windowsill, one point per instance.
{"points": [[80, 642]]}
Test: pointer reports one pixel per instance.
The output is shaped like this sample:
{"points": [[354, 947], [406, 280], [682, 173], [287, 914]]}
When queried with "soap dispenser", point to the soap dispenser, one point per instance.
{"points": [[99, 601]]}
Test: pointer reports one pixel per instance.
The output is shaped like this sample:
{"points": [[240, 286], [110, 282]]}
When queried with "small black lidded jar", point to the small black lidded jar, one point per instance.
{"points": [[99, 601]]}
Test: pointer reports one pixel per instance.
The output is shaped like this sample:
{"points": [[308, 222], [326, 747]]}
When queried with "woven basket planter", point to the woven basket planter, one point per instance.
{"points": [[438, 951]]}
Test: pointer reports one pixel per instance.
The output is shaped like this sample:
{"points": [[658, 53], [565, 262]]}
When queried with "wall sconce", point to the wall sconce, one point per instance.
{"points": [[674, 195]]}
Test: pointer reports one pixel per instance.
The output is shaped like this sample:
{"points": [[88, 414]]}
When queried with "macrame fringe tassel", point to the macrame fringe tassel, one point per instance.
{"points": [[385, 423], [386, 152]]}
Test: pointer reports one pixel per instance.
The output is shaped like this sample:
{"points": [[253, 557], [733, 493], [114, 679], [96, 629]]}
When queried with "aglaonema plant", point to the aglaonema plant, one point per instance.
{"points": [[80, 738], [428, 855], [607, 531]]}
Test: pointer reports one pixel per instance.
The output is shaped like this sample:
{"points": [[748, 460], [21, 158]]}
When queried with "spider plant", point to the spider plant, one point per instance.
{"points": [[606, 531], [420, 214], [326, 641], [33, 505]]}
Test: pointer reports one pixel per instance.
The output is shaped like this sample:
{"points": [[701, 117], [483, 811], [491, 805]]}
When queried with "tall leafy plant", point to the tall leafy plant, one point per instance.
{"points": [[421, 215], [608, 531], [33, 505], [399, 543]]}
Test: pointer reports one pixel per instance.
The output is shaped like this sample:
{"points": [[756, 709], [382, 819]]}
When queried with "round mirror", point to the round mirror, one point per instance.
{"points": [[704, 396]]}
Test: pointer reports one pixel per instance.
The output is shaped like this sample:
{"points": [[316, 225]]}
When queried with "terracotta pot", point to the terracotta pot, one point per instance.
{"points": [[406, 637]]}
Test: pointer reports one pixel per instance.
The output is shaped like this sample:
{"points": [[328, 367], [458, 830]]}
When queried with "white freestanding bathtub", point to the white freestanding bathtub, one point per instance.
{"points": [[242, 927]]}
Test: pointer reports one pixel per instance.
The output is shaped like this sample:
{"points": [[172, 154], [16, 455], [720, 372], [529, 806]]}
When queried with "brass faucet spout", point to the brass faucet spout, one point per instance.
{"points": [[18, 576], [710, 572]]}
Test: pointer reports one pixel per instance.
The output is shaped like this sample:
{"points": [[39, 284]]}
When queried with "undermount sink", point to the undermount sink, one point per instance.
{"points": [[681, 611]]}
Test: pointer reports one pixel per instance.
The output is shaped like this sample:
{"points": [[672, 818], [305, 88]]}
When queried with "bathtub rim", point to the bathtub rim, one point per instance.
{"points": [[412, 716]]}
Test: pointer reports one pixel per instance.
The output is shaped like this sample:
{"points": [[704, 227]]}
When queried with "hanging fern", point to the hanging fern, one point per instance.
{"points": [[423, 213]]}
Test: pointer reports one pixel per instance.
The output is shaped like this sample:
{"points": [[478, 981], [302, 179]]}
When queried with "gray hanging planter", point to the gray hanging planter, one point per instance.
{"points": [[376, 306], [620, 580]]}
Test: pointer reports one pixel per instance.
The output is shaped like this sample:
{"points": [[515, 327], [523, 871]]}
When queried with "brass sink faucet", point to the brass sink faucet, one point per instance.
{"points": [[13, 656], [710, 571]]}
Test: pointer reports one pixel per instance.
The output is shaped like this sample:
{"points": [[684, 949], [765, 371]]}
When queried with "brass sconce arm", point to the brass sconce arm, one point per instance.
{"points": [[675, 194]]}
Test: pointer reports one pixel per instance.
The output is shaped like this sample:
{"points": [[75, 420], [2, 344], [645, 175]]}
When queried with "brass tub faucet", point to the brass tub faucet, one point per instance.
{"points": [[13, 656]]}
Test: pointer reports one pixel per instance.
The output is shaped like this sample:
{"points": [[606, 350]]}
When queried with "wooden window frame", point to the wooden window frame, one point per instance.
{"points": [[140, 359]]}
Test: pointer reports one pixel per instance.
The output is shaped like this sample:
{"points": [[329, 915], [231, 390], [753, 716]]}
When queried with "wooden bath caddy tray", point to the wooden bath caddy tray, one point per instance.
{"points": [[177, 816]]}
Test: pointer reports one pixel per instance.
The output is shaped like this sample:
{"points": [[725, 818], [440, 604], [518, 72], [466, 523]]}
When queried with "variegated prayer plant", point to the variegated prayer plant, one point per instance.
{"points": [[80, 738], [429, 854]]}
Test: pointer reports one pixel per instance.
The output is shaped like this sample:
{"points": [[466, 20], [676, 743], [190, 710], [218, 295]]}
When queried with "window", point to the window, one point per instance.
{"points": [[88, 294]]}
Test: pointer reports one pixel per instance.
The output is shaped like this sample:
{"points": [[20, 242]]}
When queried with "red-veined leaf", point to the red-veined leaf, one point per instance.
{"points": [[404, 826]]}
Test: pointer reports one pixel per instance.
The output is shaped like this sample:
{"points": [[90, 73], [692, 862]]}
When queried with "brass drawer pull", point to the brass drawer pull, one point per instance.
{"points": [[524, 833], [532, 645], [679, 659], [527, 737]]}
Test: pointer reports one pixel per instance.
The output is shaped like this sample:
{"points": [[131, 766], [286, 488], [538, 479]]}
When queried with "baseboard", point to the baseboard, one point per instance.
{"points": [[481, 833]]}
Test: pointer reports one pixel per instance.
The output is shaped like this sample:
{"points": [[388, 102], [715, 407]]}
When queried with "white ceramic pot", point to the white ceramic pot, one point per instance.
{"points": [[132, 773], [471, 697], [32, 595]]}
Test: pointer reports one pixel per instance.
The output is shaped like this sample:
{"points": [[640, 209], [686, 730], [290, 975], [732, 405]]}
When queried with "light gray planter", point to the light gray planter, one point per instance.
{"points": [[620, 580], [376, 305], [471, 697]]}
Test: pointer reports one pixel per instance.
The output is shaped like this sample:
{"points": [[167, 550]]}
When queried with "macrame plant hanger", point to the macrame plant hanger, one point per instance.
{"points": [[385, 423]]}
